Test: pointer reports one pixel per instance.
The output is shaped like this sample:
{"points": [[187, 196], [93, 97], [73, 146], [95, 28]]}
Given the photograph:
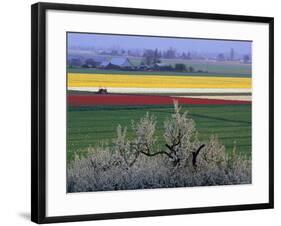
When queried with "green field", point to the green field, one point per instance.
{"points": [[220, 68], [162, 73], [92, 126]]}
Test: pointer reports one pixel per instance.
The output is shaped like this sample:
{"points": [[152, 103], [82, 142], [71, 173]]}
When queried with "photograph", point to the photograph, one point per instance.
{"points": [[126, 110], [151, 112]]}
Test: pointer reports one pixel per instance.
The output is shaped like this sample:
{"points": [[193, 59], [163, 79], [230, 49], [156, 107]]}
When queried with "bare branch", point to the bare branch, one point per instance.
{"points": [[195, 154], [157, 153]]}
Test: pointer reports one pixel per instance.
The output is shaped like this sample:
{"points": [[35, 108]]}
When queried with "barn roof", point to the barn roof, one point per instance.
{"points": [[121, 61], [117, 61], [162, 64]]}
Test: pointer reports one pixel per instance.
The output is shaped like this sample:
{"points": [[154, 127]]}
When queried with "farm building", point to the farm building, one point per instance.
{"points": [[162, 67], [78, 61], [95, 61], [117, 63]]}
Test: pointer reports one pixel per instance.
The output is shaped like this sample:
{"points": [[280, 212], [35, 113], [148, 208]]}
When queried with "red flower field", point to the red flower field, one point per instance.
{"points": [[109, 99]]}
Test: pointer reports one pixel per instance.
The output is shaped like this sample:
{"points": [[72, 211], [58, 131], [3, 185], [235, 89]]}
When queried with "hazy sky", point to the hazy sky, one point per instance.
{"points": [[141, 42]]}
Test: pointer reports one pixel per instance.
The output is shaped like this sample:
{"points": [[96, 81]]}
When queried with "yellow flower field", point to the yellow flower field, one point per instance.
{"points": [[155, 81]]}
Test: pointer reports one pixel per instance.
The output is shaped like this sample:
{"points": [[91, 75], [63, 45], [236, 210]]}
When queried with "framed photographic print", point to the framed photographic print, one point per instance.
{"points": [[139, 112]]}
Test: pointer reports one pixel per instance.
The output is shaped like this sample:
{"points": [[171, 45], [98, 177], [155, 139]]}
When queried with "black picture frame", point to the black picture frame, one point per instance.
{"points": [[38, 111]]}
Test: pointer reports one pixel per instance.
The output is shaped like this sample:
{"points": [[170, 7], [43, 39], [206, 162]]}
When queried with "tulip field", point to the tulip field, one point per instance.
{"points": [[93, 118]]}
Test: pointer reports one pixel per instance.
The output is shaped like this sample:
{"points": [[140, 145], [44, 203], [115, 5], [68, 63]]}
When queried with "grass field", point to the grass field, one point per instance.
{"points": [[92, 126], [213, 67], [155, 81]]}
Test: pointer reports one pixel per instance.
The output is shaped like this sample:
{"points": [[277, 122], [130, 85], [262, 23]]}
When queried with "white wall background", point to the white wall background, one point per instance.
{"points": [[15, 111]]}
